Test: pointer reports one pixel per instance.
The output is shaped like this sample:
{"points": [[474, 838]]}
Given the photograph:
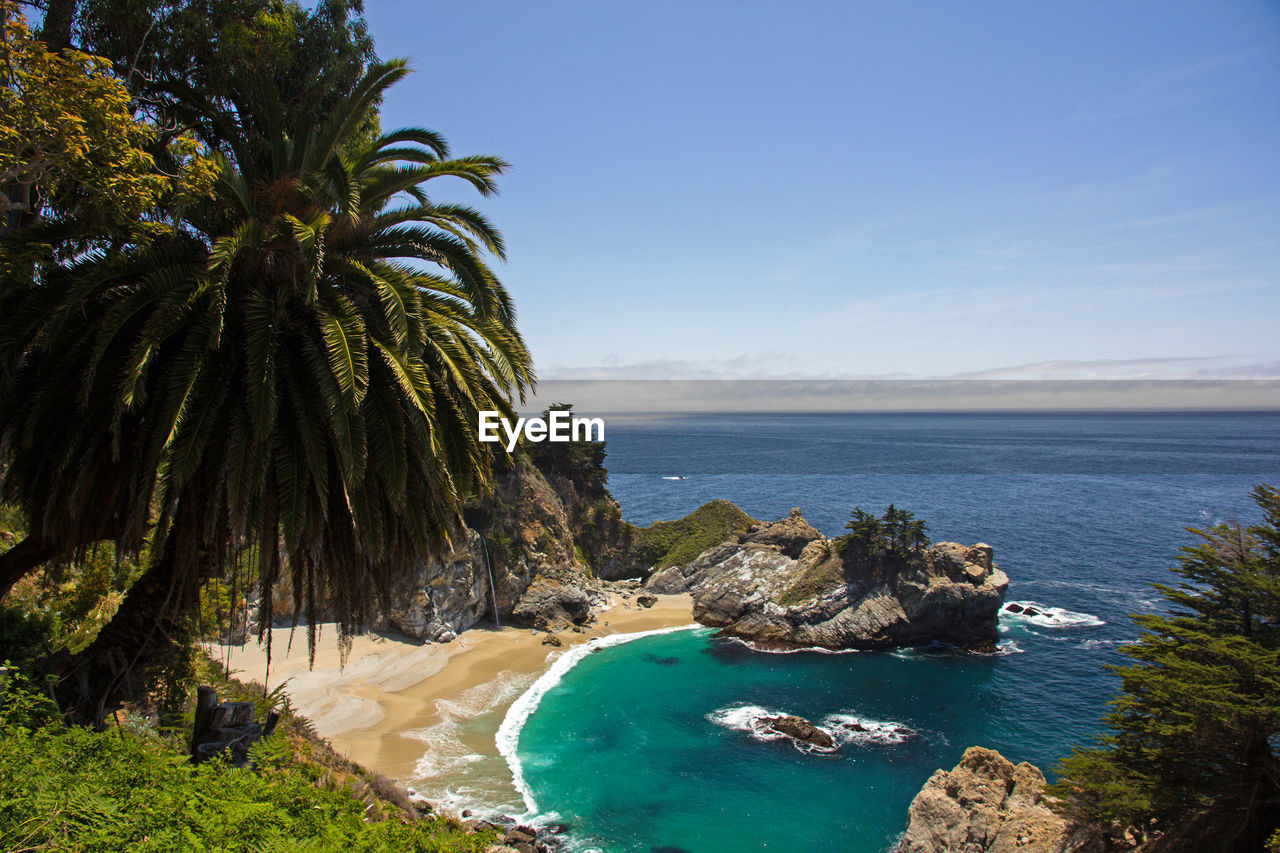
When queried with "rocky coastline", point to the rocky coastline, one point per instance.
{"points": [[987, 804], [779, 585], [537, 554], [784, 585]]}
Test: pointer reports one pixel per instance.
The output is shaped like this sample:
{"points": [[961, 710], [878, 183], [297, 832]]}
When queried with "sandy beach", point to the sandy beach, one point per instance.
{"points": [[425, 714]]}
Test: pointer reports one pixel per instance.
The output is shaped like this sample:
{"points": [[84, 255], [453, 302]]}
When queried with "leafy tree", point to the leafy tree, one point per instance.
{"points": [[70, 146], [1192, 756], [223, 68], [291, 379]]}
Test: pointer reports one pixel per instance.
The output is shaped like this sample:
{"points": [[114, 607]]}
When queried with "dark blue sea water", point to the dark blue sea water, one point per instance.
{"points": [[642, 746]]}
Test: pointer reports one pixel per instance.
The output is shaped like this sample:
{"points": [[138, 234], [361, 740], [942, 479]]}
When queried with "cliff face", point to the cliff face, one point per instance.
{"points": [[986, 804], [524, 534], [783, 584]]}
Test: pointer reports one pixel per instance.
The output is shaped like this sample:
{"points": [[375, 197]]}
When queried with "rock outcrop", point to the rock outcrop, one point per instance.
{"points": [[523, 533], [438, 599], [556, 599], [986, 804], [784, 585], [798, 728]]}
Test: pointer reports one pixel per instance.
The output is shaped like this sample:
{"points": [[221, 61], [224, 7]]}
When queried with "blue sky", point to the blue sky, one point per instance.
{"points": [[890, 189]]}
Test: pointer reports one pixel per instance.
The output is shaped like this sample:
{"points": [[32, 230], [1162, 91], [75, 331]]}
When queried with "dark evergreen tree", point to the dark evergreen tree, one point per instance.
{"points": [[1192, 756], [579, 462], [866, 535]]}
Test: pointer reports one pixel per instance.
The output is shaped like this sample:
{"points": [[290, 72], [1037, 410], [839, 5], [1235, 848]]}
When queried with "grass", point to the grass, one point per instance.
{"points": [[815, 579], [670, 543]]}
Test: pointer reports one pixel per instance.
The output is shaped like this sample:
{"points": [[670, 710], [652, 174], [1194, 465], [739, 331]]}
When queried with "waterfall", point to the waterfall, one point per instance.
{"points": [[493, 594]]}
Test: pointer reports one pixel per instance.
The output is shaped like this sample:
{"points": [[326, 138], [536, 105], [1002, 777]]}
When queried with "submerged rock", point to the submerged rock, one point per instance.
{"points": [[986, 804], [784, 585]]}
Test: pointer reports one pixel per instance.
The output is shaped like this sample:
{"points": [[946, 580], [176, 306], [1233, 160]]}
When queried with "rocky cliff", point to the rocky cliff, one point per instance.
{"points": [[986, 804], [783, 584], [524, 534]]}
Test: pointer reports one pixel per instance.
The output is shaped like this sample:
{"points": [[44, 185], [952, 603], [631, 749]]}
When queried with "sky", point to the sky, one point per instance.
{"points": [[868, 189]]}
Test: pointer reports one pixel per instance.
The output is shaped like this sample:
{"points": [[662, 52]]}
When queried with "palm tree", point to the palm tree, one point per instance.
{"points": [[287, 384]]}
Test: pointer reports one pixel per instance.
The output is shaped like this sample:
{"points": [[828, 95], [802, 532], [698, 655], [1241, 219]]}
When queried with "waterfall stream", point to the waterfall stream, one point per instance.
{"points": [[493, 594]]}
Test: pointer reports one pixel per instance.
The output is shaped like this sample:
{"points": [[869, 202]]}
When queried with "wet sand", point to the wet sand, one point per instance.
{"points": [[392, 686]]}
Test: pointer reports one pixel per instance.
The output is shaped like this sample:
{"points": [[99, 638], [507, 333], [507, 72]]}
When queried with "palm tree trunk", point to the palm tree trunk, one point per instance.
{"points": [[146, 633], [23, 558]]}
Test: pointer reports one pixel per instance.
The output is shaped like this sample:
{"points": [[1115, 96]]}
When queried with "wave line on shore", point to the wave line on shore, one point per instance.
{"points": [[508, 737]]}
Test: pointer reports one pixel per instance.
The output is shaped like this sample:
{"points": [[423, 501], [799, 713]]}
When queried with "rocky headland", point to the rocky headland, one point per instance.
{"points": [[548, 549], [784, 585], [987, 804]]}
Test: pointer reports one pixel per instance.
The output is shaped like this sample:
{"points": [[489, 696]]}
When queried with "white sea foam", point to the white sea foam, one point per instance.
{"points": [[1009, 647], [745, 718], [508, 737], [845, 728], [1097, 644], [851, 729], [446, 753], [819, 649], [1050, 617]]}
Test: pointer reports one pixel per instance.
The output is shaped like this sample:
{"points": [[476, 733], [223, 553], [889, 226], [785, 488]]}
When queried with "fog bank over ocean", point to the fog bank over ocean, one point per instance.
{"points": [[596, 396]]}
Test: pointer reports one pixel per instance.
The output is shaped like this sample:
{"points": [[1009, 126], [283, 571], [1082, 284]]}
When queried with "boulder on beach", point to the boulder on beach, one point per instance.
{"points": [[555, 600]]}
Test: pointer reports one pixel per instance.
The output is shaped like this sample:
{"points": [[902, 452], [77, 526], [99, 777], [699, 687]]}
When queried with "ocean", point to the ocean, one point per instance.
{"points": [[646, 745]]}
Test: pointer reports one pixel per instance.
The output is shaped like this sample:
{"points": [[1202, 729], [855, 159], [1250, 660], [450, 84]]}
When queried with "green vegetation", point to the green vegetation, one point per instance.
{"points": [[575, 469], [895, 538], [670, 543], [278, 381], [242, 350], [580, 463], [68, 788], [1193, 752], [815, 579], [895, 535], [71, 148]]}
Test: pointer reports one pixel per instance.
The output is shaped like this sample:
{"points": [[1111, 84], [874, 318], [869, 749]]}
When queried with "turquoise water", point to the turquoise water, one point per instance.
{"points": [[628, 751], [635, 748]]}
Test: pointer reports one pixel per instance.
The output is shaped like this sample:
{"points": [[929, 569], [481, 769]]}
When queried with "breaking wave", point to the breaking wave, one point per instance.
{"points": [[846, 729], [1042, 616], [508, 737]]}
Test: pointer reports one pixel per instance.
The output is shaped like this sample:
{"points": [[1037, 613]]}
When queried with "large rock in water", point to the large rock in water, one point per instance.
{"points": [[784, 585], [986, 804], [798, 728]]}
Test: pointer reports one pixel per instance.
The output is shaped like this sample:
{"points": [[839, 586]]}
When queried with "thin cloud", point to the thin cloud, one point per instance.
{"points": [[1214, 367]]}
